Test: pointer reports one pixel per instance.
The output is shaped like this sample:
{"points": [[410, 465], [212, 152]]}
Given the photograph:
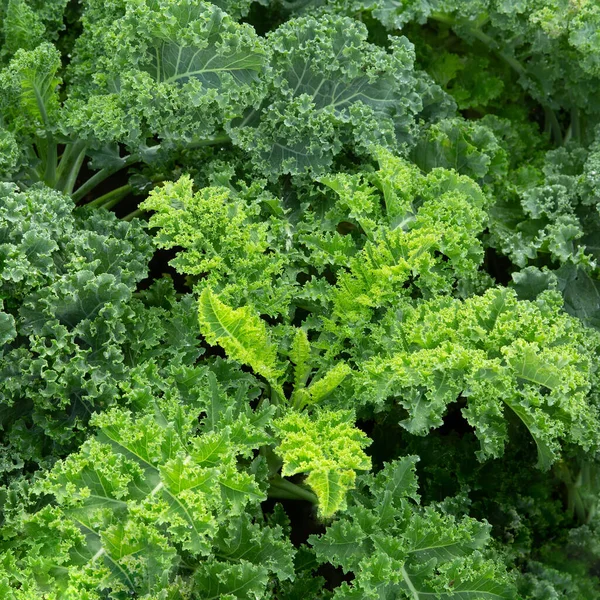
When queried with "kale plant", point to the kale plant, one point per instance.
{"points": [[299, 300]]}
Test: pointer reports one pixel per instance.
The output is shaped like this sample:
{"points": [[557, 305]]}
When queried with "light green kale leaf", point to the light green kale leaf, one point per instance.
{"points": [[497, 353], [158, 502], [327, 447], [424, 242], [224, 239], [242, 334], [396, 549], [246, 339]]}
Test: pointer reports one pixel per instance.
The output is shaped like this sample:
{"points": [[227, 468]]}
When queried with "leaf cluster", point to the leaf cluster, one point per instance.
{"points": [[299, 299]]}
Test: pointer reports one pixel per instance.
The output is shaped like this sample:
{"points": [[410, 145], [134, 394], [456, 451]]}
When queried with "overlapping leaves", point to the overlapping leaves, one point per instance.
{"points": [[396, 549], [157, 503], [71, 325]]}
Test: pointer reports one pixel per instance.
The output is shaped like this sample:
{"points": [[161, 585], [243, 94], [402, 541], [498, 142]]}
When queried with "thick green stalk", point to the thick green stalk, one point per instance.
{"points": [[101, 176], [575, 125], [69, 167], [64, 159], [222, 138], [138, 212], [111, 198], [282, 488], [127, 161], [554, 125], [51, 158], [276, 398]]}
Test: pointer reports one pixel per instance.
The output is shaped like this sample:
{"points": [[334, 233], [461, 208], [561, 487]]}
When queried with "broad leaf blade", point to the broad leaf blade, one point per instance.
{"points": [[242, 334]]}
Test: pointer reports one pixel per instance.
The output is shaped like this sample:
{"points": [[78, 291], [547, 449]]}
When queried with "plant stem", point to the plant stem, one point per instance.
{"points": [[51, 158], [138, 212], [127, 161], [575, 125], [64, 159], [282, 488], [222, 138], [70, 165], [274, 394], [111, 198], [554, 125], [101, 175]]}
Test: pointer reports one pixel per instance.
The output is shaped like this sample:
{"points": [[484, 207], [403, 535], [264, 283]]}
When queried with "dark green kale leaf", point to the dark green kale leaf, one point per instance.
{"points": [[329, 90], [73, 323]]}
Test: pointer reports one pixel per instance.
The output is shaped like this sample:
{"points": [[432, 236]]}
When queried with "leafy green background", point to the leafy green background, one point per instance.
{"points": [[299, 299]]}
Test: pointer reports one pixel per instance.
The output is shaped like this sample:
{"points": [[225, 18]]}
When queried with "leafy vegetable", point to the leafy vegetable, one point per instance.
{"points": [[328, 448], [397, 548], [264, 265]]}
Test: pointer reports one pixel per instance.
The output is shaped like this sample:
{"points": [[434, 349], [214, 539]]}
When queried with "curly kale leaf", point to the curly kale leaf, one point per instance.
{"points": [[224, 239], [328, 90], [497, 353], [242, 334], [397, 549], [422, 239], [7, 327], [24, 24], [548, 213], [245, 338], [174, 71], [328, 448], [470, 148], [68, 281], [416, 247], [31, 111], [158, 502], [138, 74], [551, 47]]}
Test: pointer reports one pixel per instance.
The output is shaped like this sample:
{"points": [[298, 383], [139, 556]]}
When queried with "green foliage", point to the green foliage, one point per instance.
{"points": [[330, 87], [369, 249], [396, 548], [72, 327], [156, 504], [192, 61], [221, 234], [329, 448], [497, 353], [243, 335]]}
